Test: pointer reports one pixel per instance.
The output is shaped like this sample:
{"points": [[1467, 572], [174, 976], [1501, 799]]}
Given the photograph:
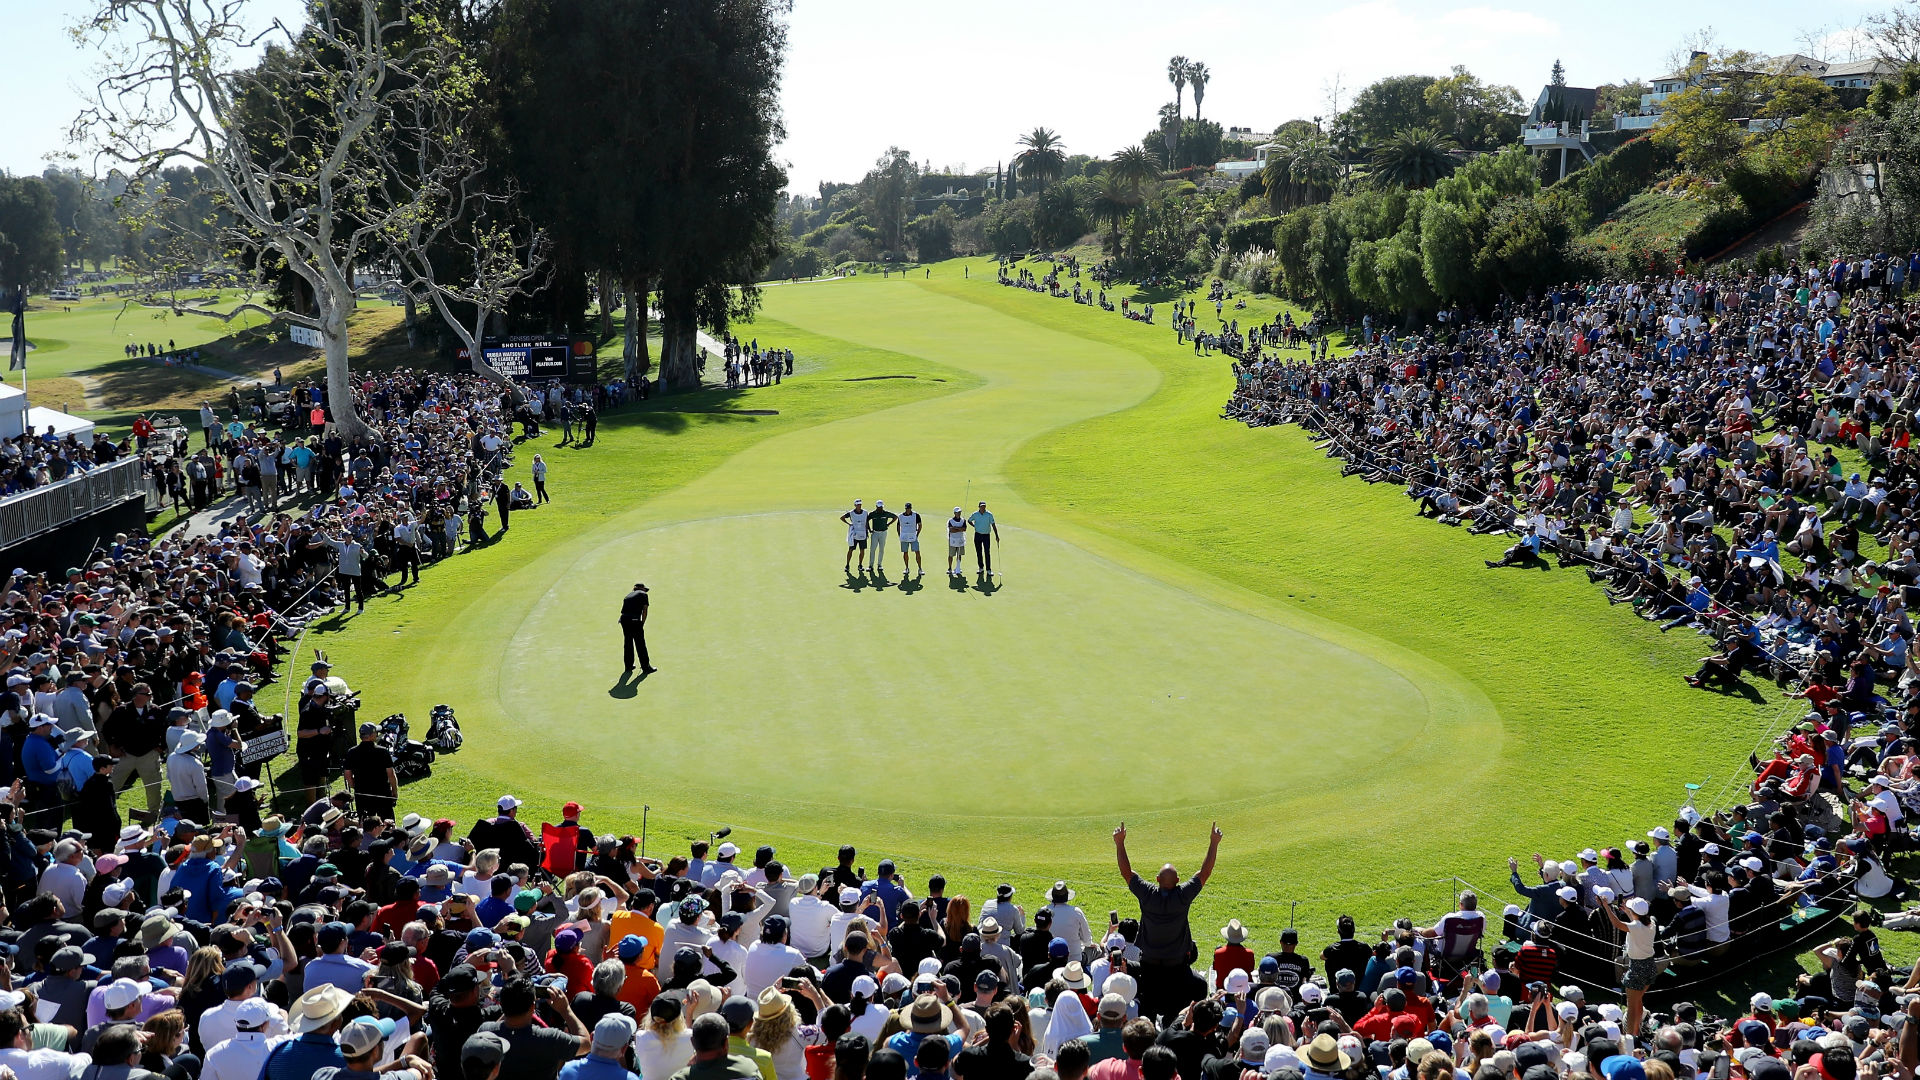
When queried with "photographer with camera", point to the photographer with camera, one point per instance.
{"points": [[535, 1052]]}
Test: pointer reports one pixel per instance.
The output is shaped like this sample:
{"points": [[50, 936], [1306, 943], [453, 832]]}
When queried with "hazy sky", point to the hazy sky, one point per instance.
{"points": [[956, 84]]}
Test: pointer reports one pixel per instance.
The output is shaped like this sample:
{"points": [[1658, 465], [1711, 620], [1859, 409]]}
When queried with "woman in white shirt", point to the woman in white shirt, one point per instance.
{"points": [[868, 1017], [1642, 968], [664, 1046]]}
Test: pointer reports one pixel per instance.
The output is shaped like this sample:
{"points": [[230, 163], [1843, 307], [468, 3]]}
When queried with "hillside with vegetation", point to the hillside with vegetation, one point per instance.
{"points": [[1418, 196]]}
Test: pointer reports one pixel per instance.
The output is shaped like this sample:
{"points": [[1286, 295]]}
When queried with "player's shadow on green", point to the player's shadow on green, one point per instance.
{"points": [[957, 583], [984, 585], [910, 585], [627, 686], [856, 582]]}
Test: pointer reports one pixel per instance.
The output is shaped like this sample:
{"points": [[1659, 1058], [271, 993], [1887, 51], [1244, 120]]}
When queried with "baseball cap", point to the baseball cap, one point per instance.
{"points": [[364, 1035], [613, 1032], [121, 993], [508, 802], [483, 1048], [253, 1014]]}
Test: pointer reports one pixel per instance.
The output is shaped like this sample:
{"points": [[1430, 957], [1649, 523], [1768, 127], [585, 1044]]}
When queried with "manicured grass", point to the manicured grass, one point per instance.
{"points": [[79, 364], [1197, 622]]}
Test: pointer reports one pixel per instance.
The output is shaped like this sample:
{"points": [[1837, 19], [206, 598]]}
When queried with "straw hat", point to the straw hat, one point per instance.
{"points": [[317, 1008], [773, 1003]]}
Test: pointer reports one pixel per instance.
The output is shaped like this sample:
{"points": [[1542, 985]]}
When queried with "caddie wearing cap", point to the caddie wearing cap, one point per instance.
{"points": [[956, 544], [856, 520]]}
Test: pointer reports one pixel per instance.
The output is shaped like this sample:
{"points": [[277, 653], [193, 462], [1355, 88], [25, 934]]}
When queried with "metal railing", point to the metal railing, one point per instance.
{"points": [[44, 509]]}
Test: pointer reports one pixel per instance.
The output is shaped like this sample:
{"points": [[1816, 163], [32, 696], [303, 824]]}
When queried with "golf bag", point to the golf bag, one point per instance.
{"points": [[412, 759], [443, 730]]}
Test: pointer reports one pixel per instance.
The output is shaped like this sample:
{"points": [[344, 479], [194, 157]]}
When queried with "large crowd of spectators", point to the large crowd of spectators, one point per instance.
{"points": [[1650, 432]]}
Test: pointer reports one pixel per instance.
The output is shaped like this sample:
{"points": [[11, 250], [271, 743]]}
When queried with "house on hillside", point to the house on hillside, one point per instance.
{"points": [[1240, 170], [1560, 119], [1847, 75]]}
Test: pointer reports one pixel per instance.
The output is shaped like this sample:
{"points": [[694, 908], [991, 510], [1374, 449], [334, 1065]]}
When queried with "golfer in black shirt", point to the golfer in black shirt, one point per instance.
{"points": [[633, 627]]}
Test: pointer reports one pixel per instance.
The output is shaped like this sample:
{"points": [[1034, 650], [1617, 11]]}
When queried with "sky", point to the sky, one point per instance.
{"points": [[957, 84]]}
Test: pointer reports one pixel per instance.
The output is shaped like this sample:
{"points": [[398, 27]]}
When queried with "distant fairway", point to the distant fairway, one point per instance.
{"points": [[1197, 622]]}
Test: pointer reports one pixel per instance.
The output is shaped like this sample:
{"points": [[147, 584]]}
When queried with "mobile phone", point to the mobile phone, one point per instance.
{"points": [[1113, 916]]}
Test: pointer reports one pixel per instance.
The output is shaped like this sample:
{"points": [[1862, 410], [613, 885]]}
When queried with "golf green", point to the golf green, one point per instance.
{"points": [[1194, 622]]}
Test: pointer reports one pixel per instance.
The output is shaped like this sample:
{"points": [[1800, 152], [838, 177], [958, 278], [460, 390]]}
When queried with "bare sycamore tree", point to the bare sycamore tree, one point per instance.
{"points": [[291, 143], [1893, 35]]}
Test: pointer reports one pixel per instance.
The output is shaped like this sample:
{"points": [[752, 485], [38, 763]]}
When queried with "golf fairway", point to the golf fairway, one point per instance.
{"points": [[1194, 622]]}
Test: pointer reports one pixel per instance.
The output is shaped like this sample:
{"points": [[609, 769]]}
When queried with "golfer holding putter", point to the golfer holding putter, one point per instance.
{"points": [[986, 532], [878, 522]]}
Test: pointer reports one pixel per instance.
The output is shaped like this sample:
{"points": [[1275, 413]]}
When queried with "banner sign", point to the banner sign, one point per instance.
{"points": [[531, 357], [304, 335], [264, 747]]}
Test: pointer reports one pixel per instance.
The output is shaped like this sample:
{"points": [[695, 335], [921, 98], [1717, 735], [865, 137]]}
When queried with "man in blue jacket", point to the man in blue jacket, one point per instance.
{"points": [[41, 759], [204, 876]]}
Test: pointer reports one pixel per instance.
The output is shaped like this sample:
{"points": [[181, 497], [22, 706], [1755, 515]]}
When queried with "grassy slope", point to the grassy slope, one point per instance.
{"points": [[1573, 681], [78, 364], [1256, 514]]}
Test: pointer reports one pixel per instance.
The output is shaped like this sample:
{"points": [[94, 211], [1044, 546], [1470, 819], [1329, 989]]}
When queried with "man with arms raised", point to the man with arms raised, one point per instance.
{"points": [[1167, 951]]}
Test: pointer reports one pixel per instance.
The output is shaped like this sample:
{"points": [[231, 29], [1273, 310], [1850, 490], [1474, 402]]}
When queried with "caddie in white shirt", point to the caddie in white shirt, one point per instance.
{"points": [[956, 544], [856, 520], [909, 525]]}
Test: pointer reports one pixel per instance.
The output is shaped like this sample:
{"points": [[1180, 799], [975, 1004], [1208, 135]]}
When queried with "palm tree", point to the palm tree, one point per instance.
{"points": [[1198, 76], [1417, 157], [1133, 166], [1301, 170], [1113, 203], [1042, 159], [1177, 75]]}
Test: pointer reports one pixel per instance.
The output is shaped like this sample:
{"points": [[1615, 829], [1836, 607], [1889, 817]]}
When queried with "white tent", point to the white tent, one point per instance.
{"points": [[63, 424]]}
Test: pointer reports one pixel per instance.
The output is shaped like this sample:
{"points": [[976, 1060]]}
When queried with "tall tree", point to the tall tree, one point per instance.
{"points": [[1386, 108], [1198, 75], [30, 244], [1113, 202], [1177, 75], [1134, 166], [1415, 158], [715, 98], [285, 144], [570, 80], [887, 195], [1043, 159]]}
